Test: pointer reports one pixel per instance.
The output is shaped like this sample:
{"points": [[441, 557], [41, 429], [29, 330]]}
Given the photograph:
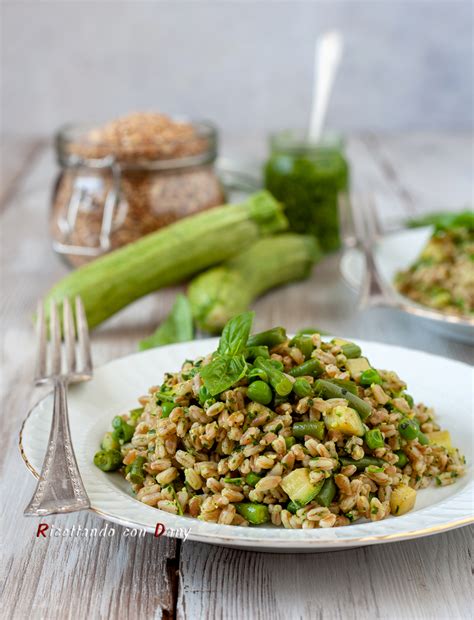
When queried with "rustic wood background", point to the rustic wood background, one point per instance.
{"points": [[155, 578]]}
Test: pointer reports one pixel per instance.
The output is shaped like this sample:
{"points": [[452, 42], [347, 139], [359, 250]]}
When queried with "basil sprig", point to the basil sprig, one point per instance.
{"points": [[177, 327], [228, 365]]}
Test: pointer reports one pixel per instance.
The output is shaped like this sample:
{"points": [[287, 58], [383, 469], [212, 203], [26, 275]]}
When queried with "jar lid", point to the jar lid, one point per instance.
{"points": [[141, 141]]}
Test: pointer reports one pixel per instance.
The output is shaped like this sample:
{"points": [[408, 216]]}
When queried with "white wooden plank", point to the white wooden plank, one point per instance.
{"points": [[117, 578]]}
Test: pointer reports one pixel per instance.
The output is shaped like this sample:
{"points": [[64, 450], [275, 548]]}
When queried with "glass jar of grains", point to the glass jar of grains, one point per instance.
{"points": [[129, 178], [310, 179]]}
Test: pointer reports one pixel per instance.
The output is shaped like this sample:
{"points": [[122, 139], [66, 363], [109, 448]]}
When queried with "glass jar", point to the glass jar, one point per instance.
{"points": [[108, 193], [309, 179]]}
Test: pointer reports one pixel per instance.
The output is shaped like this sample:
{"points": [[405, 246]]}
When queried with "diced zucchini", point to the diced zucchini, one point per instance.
{"points": [[357, 366], [344, 419], [340, 341], [402, 500], [440, 438], [299, 487]]}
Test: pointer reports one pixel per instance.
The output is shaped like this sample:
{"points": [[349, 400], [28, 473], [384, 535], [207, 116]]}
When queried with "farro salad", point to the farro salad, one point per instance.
{"points": [[443, 275], [297, 432]]}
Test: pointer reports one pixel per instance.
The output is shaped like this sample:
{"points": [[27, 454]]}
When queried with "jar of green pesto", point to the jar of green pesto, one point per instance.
{"points": [[309, 179]]}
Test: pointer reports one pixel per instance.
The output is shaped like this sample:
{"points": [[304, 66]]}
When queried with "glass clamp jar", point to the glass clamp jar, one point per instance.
{"points": [[311, 180], [110, 194]]}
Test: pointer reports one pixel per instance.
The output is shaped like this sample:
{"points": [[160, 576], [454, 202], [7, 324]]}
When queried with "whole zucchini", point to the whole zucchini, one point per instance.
{"points": [[169, 255], [225, 291]]}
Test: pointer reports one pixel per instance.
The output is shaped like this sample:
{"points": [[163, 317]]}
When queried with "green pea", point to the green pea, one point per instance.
{"points": [[166, 409], [370, 376], [108, 460], [302, 388], [408, 428], [402, 459], [260, 392], [374, 439], [110, 442], [251, 479]]}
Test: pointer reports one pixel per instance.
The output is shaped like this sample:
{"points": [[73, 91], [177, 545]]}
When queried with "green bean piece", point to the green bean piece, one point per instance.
{"points": [[289, 442], [374, 439], [313, 428], [269, 338], [409, 399], [311, 368], [251, 479], [423, 439], [260, 392], [409, 428], [253, 352], [258, 373], [254, 513], [277, 364], [370, 376], [308, 331], [278, 380], [108, 460], [304, 344], [402, 459], [166, 409], [327, 493], [110, 442], [137, 475], [123, 431], [293, 507], [135, 414], [237, 481], [351, 350], [348, 385], [361, 464], [302, 388], [330, 390]]}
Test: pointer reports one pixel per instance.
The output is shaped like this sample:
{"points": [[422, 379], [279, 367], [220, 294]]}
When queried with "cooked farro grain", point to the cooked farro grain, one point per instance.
{"points": [[226, 459]]}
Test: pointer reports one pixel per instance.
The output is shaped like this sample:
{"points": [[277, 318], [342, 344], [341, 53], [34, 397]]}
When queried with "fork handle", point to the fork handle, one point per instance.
{"points": [[60, 488], [373, 291]]}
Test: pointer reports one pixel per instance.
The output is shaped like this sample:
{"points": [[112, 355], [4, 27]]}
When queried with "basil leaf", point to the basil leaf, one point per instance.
{"points": [[222, 372], [177, 327], [235, 334]]}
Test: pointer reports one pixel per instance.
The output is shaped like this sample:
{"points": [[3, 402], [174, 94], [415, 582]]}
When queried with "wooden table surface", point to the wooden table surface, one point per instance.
{"points": [[159, 578]]}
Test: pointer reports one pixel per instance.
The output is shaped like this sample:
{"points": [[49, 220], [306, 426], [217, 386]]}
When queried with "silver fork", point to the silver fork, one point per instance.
{"points": [[60, 488], [362, 229]]}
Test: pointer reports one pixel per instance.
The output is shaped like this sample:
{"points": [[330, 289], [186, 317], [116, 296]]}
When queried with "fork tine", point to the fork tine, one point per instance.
{"points": [[41, 370], [346, 222], [83, 337], [360, 222], [55, 336], [371, 219], [69, 337]]}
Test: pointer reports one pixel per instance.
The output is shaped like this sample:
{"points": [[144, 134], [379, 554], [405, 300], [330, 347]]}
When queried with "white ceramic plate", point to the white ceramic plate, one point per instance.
{"points": [[393, 253], [116, 386]]}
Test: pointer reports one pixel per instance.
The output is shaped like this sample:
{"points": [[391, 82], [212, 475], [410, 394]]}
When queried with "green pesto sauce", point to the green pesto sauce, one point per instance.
{"points": [[308, 182]]}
